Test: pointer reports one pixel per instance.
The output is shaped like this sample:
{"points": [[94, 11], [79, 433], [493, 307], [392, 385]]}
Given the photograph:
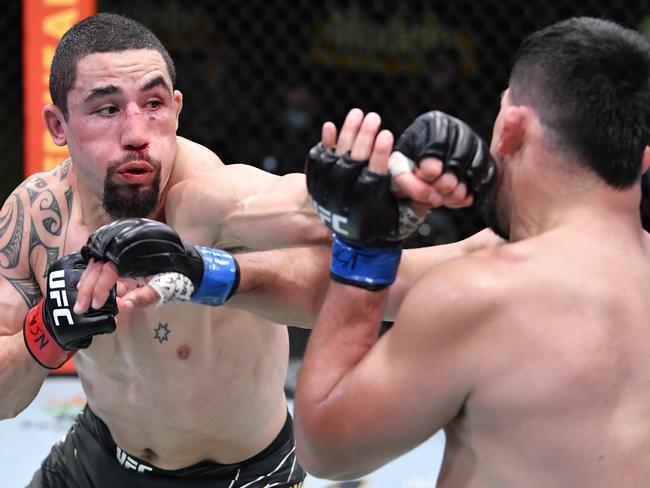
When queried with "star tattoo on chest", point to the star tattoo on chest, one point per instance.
{"points": [[162, 331]]}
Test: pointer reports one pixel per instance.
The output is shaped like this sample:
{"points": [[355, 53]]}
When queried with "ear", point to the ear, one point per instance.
{"points": [[645, 162], [513, 130], [178, 102], [55, 122]]}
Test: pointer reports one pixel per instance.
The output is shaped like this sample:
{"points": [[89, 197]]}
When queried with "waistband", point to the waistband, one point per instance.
{"points": [[88, 420]]}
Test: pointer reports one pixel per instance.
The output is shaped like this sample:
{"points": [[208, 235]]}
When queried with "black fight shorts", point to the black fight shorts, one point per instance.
{"points": [[87, 457]]}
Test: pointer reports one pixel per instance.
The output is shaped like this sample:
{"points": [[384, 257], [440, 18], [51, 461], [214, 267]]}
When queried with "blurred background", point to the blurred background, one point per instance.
{"points": [[260, 76]]}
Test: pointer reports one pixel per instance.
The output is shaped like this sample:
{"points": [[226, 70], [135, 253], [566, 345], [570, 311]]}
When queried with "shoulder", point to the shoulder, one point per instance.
{"points": [[45, 192], [193, 159], [469, 290], [33, 220]]}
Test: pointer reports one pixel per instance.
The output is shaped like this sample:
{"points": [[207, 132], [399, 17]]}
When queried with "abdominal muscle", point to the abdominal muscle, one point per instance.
{"points": [[180, 384]]}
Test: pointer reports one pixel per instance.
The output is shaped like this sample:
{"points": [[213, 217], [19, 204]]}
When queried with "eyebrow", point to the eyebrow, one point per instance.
{"points": [[157, 81], [104, 91]]}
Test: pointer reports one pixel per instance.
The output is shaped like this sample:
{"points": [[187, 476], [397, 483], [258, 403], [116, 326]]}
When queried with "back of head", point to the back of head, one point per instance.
{"points": [[100, 33], [588, 81]]}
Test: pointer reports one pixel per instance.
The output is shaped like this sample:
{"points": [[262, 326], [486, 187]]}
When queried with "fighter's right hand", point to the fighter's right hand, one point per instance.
{"points": [[52, 331]]}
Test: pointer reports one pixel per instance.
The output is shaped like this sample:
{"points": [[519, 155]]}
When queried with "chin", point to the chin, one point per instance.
{"points": [[129, 204]]}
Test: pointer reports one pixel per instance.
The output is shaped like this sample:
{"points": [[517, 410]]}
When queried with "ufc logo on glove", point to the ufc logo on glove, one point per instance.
{"points": [[59, 295], [333, 221]]}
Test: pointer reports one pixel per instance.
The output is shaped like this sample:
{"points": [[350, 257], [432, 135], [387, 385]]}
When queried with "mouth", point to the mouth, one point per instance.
{"points": [[136, 172]]}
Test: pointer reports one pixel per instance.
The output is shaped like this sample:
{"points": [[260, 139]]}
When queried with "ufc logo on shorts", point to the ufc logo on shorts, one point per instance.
{"points": [[338, 221], [127, 462], [56, 285]]}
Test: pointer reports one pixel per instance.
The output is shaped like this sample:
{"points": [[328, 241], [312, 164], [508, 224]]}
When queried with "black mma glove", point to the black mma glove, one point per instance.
{"points": [[462, 151], [367, 220], [141, 247], [52, 331]]}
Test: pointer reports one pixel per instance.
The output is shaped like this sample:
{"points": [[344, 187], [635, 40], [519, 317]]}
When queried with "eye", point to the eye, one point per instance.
{"points": [[107, 111], [154, 104]]}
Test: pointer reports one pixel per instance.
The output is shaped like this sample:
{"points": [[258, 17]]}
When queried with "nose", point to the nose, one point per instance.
{"points": [[135, 134]]}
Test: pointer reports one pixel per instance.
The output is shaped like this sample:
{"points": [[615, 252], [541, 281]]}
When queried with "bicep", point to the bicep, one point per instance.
{"points": [[272, 211], [240, 205]]}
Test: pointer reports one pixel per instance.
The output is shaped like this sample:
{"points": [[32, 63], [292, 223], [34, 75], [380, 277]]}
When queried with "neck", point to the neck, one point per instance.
{"points": [[587, 203]]}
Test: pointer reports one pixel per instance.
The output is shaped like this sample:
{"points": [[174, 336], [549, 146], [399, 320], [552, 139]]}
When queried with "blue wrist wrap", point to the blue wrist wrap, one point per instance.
{"points": [[220, 277], [373, 268]]}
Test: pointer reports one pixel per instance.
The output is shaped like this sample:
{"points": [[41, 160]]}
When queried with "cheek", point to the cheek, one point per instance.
{"points": [[88, 135]]}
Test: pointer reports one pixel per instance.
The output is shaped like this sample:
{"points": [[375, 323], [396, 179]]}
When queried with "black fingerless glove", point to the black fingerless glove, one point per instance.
{"points": [[141, 247], [52, 331]]}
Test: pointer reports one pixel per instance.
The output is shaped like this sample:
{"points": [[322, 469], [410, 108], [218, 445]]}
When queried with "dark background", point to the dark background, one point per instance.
{"points": [[259, 77]]}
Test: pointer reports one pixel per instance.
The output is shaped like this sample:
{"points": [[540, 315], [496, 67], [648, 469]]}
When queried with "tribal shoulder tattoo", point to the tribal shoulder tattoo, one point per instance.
{"points": [[33, 218]]}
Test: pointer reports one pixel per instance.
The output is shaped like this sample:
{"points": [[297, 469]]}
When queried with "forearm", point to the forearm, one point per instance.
{"points": [[20, 376], [345, 331], [286, 286]]}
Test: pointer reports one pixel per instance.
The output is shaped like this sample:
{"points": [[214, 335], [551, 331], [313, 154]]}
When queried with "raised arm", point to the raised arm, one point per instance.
{"points": [[360, 403]]}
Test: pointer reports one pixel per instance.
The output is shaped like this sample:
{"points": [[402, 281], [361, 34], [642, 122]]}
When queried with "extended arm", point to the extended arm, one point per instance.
{"points": [[269, 284], [244, 206], [289, 286]]}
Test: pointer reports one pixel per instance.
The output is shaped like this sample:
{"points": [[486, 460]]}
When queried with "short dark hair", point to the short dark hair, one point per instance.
{"points": [[588, 80], [100, 33]]}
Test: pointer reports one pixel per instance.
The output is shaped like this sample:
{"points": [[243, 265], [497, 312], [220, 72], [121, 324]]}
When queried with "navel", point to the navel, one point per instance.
{"points": [[183, 352], [148, 455]]}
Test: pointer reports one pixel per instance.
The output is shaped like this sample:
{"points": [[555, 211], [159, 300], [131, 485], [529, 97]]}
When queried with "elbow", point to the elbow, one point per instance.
{"points": [[8, 413], [323, 455], [322, 466]]}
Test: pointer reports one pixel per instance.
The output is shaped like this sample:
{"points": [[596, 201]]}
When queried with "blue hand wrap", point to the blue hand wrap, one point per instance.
{"points": [[373, 268], [220, 277]]}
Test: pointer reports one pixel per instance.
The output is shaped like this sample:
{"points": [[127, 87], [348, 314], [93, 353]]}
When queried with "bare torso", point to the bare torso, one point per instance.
{"points": [[563, 398], [181, 383]]}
